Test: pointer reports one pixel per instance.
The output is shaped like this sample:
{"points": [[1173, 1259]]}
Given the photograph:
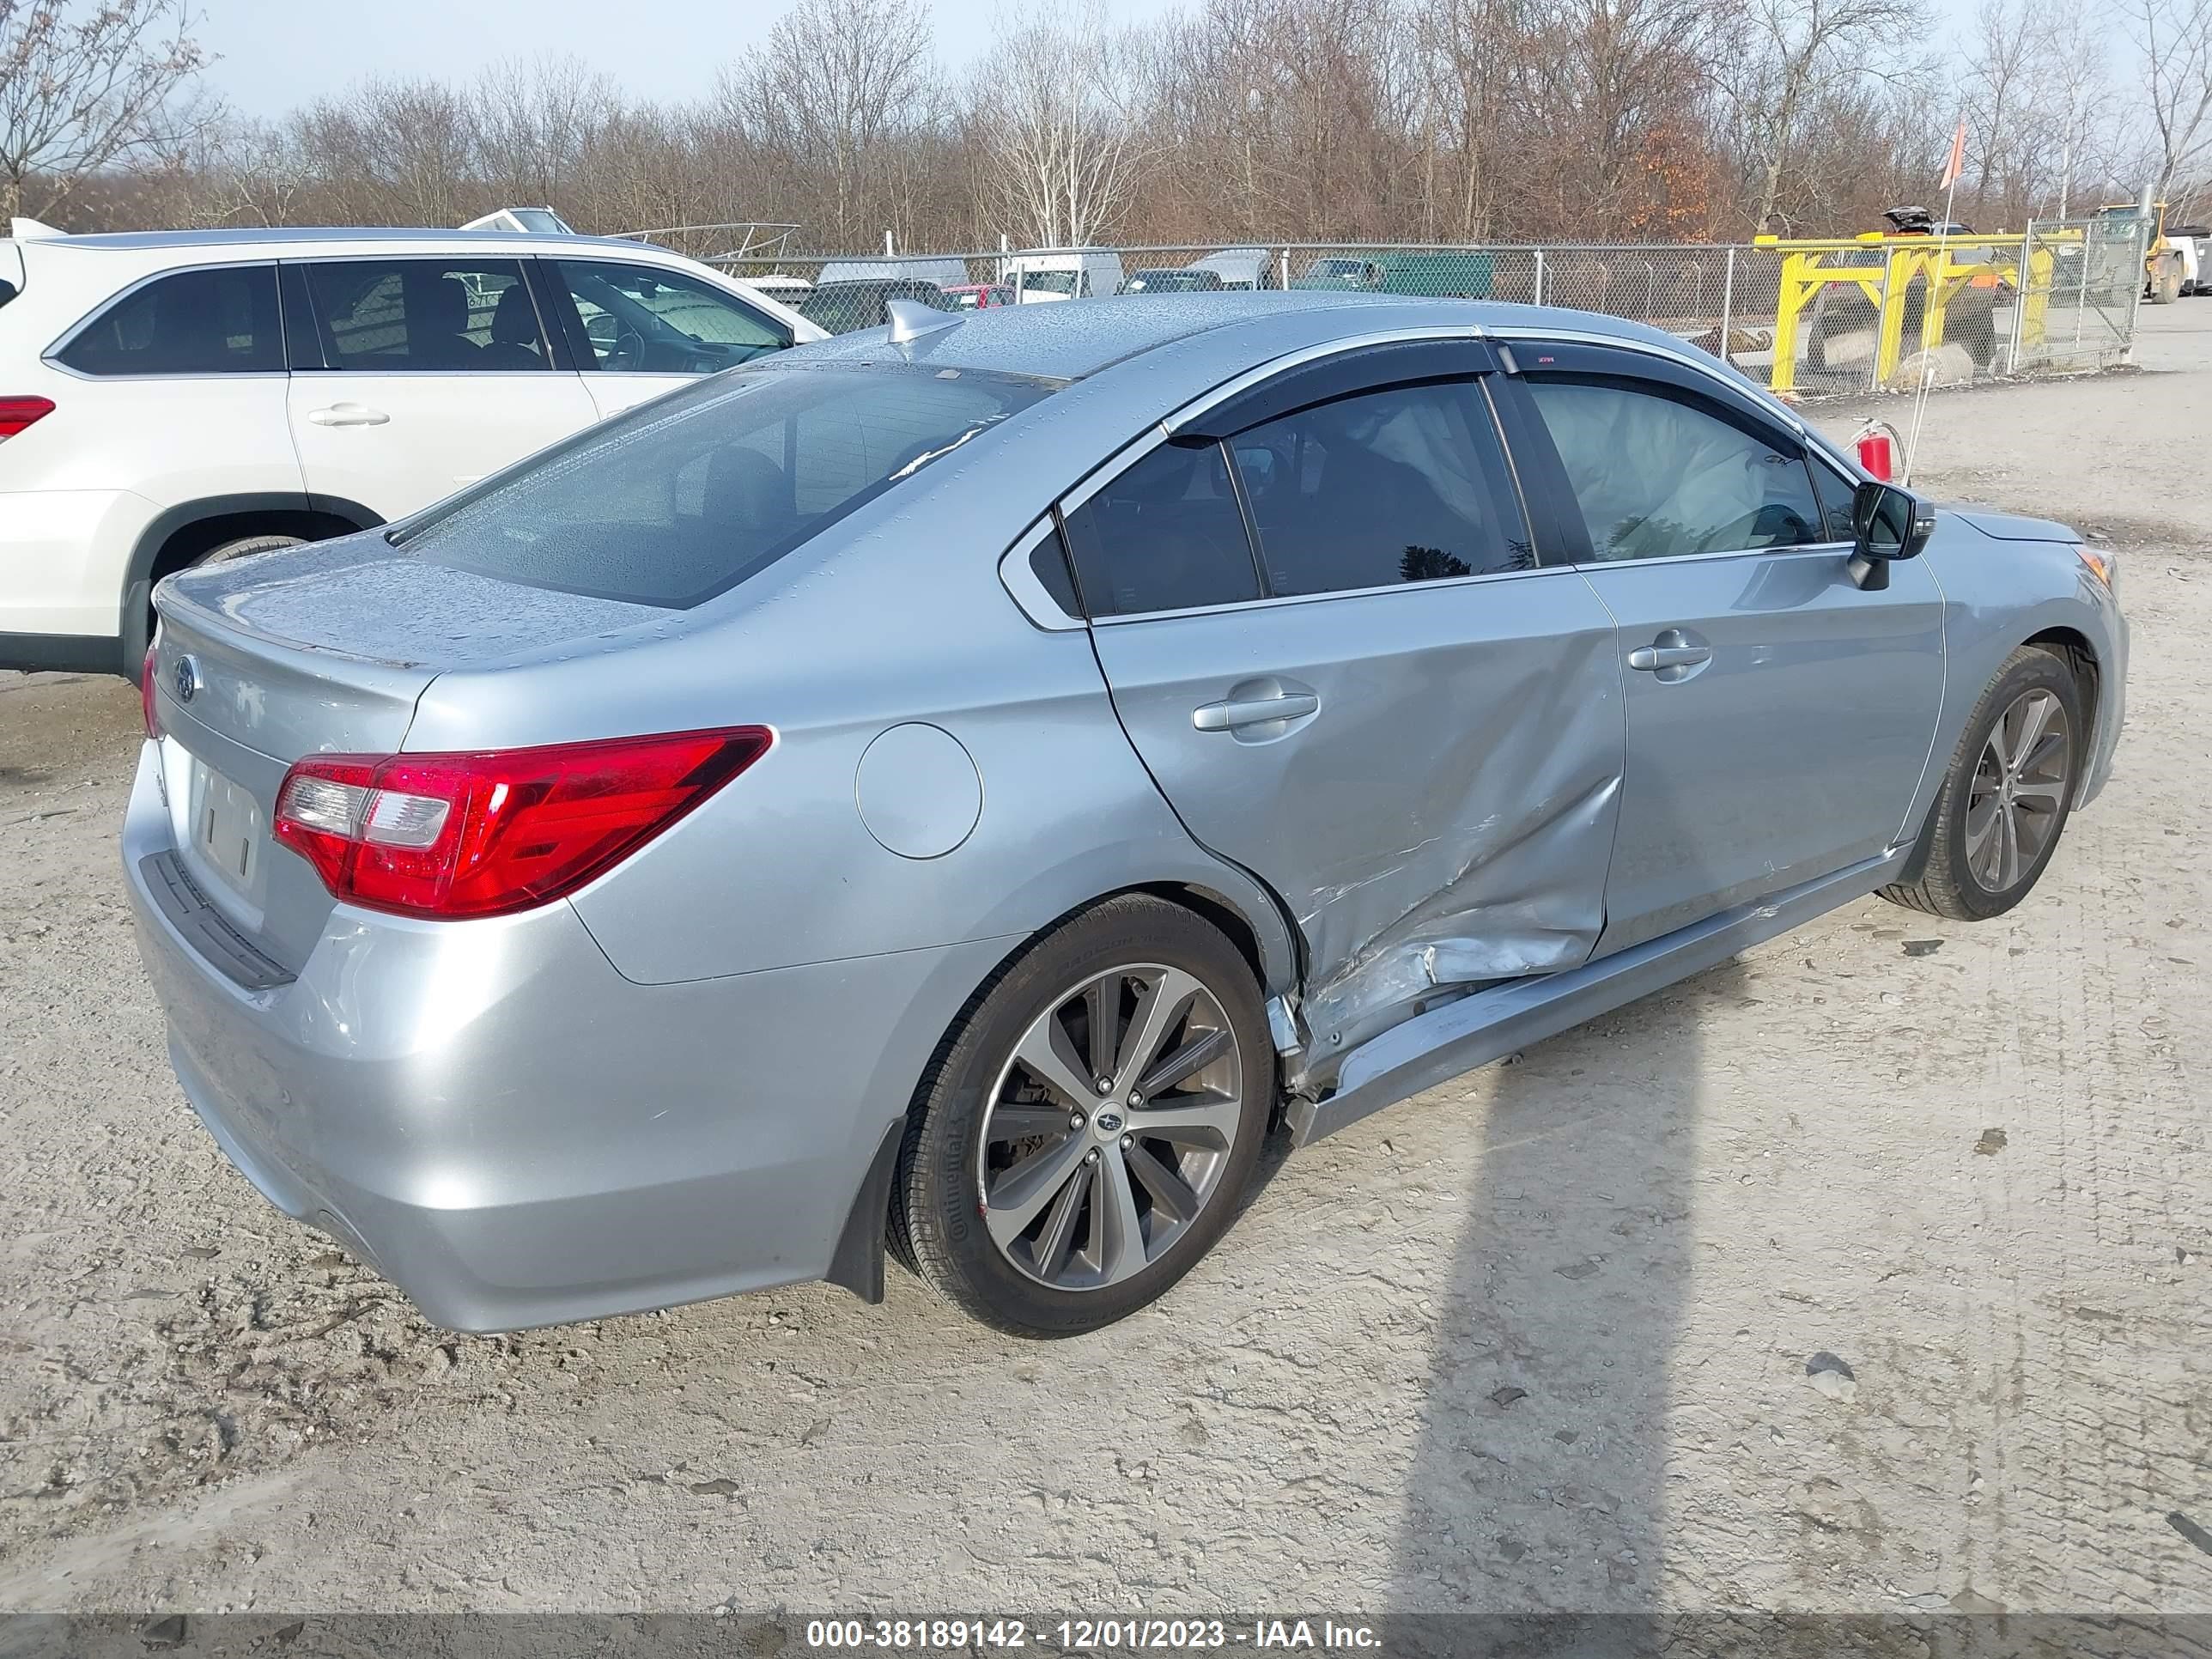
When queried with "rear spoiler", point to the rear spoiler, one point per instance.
{"points": [[20, 229]]}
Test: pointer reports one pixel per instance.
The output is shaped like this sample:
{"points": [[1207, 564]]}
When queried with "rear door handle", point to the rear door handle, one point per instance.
{"points": [[1674, 648], [1652, 658], [348, 414], [1255, 711]]}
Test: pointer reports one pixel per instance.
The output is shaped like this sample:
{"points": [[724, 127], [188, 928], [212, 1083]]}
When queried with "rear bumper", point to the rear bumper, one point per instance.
{"points": [[516, 1135]]}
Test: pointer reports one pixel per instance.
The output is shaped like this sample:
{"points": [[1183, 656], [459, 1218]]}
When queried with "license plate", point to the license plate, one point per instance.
{"points": [[225, 827]]}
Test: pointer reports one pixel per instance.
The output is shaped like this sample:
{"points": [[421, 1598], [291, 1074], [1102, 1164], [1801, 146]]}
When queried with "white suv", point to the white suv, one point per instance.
{"points": [[175, 396]]}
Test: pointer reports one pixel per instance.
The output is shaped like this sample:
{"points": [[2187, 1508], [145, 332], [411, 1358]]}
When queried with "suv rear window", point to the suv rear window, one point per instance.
{"points": [[686, 496], [194, 322]]}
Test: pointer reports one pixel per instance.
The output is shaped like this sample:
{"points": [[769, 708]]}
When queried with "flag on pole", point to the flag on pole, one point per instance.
{"points": [[1957, 164]]}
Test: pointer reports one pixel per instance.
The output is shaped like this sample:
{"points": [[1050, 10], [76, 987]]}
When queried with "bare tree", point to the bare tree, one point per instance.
{"points": [[1061, 141], [1471, 57], [249, 173], [1794, 55], [2174, 38], [836, 94], [1358, 121], [87, 91], [2079, 129], [2004, 95], [537, 122], [401, 152]]}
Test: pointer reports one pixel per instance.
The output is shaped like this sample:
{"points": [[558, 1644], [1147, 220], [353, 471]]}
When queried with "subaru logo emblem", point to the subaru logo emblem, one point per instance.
{"points": [[1109, 1122], [187, 678]]}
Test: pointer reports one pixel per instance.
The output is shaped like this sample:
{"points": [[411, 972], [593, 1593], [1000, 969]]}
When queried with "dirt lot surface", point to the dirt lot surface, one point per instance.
{"points": [[1537, 1340]]}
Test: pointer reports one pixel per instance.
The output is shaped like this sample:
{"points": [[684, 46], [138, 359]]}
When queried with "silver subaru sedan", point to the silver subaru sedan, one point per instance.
{"points": [[958, 788]]}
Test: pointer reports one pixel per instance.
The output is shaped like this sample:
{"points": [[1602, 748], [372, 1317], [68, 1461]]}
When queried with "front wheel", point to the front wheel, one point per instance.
{"points": [[1085, 1133], [2004, 801]]}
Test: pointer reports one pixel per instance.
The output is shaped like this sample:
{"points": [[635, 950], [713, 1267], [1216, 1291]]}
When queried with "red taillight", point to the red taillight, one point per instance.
{"points": [[146, 694], [453, 836], [16, 413]]}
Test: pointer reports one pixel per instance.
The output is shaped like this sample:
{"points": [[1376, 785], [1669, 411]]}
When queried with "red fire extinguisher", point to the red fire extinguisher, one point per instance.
{"points": [[1876, 443]]}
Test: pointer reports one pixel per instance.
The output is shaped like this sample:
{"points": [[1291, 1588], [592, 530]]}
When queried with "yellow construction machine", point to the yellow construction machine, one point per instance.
{"points": [[2168, 264]]}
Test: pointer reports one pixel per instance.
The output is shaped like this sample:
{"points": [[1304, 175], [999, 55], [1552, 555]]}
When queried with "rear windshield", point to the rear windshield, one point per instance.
{"points": [[686, 497]]}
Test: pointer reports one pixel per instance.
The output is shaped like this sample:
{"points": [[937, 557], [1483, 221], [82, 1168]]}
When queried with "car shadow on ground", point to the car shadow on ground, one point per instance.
{"points": [[1538, 1477]]}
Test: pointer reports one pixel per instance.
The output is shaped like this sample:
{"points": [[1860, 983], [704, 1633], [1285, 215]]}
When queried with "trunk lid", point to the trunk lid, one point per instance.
{"points": [[322, 649]]}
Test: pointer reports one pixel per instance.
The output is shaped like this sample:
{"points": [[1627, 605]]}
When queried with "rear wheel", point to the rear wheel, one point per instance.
{"points": [[244, 545], [2005, 799], [1087, 1130]]}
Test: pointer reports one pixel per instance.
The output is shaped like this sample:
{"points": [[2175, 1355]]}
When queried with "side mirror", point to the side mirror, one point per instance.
{"points": [[1887, 523]]}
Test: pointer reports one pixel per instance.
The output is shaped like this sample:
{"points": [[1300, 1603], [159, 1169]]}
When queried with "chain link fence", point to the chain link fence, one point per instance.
{"points": [[1808, 319]]}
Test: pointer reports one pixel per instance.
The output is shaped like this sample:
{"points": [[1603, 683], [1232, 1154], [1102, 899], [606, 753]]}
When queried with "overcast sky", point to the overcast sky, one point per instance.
{"points": [[276, 54]]}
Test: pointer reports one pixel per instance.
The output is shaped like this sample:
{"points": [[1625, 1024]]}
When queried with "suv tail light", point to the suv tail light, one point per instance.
{"points": [[16, 413], [485, 835]]}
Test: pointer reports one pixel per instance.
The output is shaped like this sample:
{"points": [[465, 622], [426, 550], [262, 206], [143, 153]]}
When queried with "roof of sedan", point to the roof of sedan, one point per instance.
{"points": [[1070, 339]]}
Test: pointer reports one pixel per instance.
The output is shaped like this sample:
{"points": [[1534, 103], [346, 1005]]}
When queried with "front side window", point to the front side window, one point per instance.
{"points": [[1407, 484], [196, 322], [688, 495], [403, 316], [1050, 282], [642, 319], [1166, 535], [1657, 475]]}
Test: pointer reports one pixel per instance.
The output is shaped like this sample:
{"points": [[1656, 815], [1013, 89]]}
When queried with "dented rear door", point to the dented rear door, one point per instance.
{"points": [[1400, 721]]}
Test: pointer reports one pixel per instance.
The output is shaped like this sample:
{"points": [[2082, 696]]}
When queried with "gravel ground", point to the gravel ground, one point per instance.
{"points": [[1535, 1341]]}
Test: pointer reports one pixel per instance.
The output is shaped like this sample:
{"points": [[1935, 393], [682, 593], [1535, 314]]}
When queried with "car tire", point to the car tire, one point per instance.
{"points": [[1107, 1216], [2004, 800], [226, 551]]}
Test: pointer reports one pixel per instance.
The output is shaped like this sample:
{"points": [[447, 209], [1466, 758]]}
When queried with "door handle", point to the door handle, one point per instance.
{"points": [[1672, 649], [1652, 658], [1254, 711], [348, 414]]}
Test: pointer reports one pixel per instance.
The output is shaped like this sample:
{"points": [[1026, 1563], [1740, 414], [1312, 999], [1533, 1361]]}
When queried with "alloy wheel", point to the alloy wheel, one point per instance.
{"points": [[2019, 793], [1110, 1127]]}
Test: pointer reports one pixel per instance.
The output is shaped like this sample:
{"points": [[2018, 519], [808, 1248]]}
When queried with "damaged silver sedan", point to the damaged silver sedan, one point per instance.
{"points": [[952, 789]]}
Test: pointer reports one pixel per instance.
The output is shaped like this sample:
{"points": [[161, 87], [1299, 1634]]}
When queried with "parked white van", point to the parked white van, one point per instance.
{"points": [[1066, 273], [1237, 267], [945, 273]]}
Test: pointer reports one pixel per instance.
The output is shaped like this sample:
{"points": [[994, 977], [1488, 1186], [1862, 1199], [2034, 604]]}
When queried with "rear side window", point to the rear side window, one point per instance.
{"points": [[687, 496], [195, 322], [1657, 475], [1407, 484], [396, 316], [1166, 535]]}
